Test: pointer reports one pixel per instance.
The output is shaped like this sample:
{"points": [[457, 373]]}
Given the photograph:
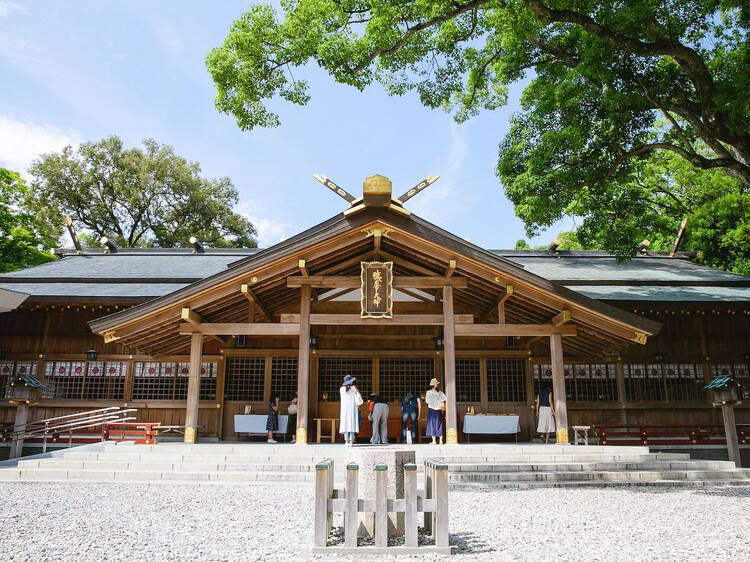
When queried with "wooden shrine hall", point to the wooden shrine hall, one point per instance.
{"points": [[378, 293]]}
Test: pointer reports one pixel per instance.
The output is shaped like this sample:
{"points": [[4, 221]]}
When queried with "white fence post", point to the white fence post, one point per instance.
{"points": [[410, 495], [322, 494], [441, 504], [428, 494], [351, 518], [381, 505]]}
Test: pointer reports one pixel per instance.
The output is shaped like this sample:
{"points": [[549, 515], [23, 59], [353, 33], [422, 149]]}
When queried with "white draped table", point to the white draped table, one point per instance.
{"points": [[491, 424], [257, 423]]}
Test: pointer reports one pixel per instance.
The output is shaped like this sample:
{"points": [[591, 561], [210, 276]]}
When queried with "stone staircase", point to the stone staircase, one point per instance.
{"points": [[500, 465]]}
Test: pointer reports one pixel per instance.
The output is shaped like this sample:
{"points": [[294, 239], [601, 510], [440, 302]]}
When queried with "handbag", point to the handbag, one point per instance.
{"points": [[358, 398]]}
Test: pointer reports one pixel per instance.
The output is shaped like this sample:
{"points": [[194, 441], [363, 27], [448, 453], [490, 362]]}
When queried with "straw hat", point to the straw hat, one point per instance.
{"points": [[434, 382], [348, 379]]}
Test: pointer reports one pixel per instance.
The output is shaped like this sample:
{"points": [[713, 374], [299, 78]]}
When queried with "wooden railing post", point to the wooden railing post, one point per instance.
{"points": [[441, 504], [410, 495], [428, 494], [322, 494], [351, 517], [381, 505]]}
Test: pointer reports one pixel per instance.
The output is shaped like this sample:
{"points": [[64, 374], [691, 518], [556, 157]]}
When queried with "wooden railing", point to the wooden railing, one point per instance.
{"points": [[673, 434], [432, 501], [141, 433]]}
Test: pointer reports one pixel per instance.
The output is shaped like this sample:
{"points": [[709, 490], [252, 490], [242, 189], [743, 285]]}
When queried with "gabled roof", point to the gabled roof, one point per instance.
{"points": [[415, 245]]}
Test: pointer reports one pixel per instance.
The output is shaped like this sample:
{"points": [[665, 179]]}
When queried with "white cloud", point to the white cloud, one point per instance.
{"points": [[270, 231], [21, 142], [431, 202], [9, 8]]}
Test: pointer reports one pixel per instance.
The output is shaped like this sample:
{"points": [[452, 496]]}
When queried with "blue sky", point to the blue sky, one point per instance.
{"points": [[79, 70]]}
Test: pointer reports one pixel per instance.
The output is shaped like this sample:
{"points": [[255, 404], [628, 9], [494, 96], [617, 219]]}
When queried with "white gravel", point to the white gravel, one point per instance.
{"points": [[50, 521]]}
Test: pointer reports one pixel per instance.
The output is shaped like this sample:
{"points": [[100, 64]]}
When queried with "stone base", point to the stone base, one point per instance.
{"points": [[392, 550], [395, 459]]}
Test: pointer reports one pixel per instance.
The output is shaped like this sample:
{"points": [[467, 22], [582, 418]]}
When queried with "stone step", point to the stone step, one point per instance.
{"points": [[618, 476], [44, 474], [603, 484], [594, 466], [162, 466], [135, 455]]}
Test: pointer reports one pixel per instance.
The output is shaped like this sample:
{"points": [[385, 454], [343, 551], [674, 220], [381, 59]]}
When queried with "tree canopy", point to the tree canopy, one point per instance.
{"points": [[614, 87], [136, 197], [22, 241]]}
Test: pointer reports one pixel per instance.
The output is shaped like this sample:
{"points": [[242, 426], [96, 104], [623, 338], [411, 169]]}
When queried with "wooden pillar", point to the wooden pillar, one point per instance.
{"points": [[303, 365], [449, 343], [730, 430], [530, 396], [558, 387], [621, 394], [221, 375], [194, 388], [483, 386], [22, 417]]}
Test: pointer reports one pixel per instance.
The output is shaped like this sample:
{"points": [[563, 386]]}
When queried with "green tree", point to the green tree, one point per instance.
{"points": [[22, 242], [601, 76], [148, 197], [522, 245]]}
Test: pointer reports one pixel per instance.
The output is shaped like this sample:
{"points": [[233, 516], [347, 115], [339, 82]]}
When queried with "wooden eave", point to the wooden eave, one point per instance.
{"points": [[336, 247]]}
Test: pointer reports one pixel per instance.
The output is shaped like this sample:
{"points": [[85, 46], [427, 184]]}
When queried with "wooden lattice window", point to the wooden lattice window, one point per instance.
{"points": [[506, 380], [742, 372], [154, 381], [685, 382], [543, 379], [401, 376], [105, 380], [331, 373], [644, 382], [65, 379], [468, 384], [595, 382], [11, 369], [245, 377], [284, 377]]}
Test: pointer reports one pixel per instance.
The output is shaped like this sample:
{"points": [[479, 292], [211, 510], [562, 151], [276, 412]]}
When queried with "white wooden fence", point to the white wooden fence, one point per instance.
{"points": [[432, 501]]}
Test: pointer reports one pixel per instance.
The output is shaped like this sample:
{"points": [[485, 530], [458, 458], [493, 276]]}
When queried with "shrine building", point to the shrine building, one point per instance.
{"points": [[191, 336]]}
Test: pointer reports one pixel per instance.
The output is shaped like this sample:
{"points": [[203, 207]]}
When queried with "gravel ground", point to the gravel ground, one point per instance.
{"points": [[50, 521]]}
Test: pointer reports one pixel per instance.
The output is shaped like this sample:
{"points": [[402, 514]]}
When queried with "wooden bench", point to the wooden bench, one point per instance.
{"points": [[668, 434]]}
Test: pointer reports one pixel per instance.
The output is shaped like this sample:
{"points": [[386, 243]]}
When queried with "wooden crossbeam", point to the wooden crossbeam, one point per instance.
{"points": [[303, 268], [451, 268], [429, 180], [335, 281], [500, 304], [397, 320], [501, 330], [190, 316], [251, 296], [561, 318], [335, 188], [242, 329]]}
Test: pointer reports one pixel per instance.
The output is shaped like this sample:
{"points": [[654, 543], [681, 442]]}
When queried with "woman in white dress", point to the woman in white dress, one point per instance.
{"points": [[349, 414]]}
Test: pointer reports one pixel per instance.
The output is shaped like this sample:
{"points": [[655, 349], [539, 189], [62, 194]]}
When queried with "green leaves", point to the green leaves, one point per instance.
{"points": [[22, 241], [135, 197]]}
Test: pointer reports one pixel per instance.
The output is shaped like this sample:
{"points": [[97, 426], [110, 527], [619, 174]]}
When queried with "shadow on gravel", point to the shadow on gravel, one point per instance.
{"points": [[468, 543]]}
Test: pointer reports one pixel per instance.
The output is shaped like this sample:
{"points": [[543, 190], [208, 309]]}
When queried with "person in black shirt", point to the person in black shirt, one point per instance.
{"points": [[411, 409]]}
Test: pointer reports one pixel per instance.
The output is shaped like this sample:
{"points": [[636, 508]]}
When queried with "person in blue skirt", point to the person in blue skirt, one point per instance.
{"points": [[435, 400], [272, 422]]}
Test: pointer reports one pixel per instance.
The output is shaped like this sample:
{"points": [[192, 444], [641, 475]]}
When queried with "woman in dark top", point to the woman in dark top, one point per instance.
{"points": [[545, 413], [272, 423]]}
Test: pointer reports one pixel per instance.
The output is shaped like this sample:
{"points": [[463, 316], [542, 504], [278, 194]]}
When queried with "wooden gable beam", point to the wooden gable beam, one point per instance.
{"points": [[242, 329], [340, 281], [250, 295], [303, 268], [499, 303], [397, 320], [499, 330], [451, 268], [561, 318], [190, 316]]}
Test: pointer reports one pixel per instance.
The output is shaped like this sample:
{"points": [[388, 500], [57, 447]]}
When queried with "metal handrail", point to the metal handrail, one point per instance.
{"points": [[83, 420]]}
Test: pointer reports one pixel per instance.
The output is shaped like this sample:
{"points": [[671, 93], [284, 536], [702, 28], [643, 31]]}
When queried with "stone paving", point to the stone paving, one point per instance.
{"points": [[115, 521]]}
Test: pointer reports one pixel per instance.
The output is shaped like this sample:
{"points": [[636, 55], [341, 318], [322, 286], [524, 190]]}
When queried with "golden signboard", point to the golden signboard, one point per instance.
{"points": [[377, 289]]}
